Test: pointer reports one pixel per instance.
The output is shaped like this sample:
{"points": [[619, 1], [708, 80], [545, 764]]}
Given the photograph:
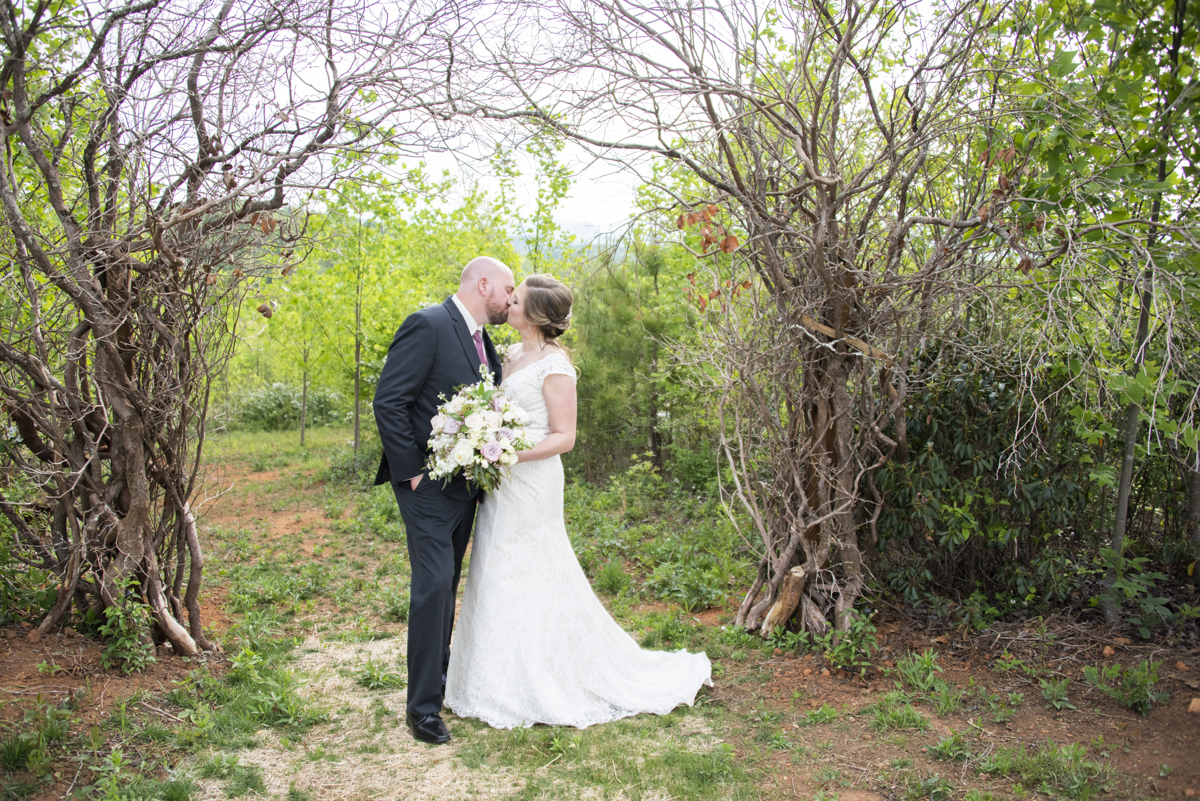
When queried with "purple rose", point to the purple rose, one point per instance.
{"points": [[452, 426], [491, 450], [497, 403], [507, 433]]}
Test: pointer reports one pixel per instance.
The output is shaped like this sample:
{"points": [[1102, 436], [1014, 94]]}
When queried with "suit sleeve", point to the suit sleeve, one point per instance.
{"points": [[409, 361]]}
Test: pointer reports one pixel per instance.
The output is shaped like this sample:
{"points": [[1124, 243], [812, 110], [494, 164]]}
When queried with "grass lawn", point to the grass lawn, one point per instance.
{"points": [[307, 590]]}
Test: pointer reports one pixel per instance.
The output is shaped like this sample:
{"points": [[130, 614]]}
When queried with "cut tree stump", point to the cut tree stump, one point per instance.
{"points": [[790, 592]]}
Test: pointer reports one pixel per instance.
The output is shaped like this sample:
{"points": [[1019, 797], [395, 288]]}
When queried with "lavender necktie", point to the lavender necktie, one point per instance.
{"points": [[478, 337]]}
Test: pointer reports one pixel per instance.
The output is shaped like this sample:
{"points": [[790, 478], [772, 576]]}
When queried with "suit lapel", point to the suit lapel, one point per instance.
{"points": [[460, 329]]}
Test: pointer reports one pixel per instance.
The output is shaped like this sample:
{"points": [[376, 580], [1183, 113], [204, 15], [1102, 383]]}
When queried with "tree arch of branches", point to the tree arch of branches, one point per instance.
{"points": [[152, 154]]}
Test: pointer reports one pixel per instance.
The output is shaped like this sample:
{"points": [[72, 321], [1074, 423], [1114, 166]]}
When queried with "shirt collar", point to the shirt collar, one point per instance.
{"points": [[472, 326]]}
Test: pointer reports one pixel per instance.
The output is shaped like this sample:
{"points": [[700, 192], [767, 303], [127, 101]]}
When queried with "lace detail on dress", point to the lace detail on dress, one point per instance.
{"points": [[533, 643], [525, 387]]}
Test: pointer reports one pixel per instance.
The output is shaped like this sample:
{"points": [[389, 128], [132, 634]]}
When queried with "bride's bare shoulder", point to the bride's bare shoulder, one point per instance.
{"points": [[554, 347]]}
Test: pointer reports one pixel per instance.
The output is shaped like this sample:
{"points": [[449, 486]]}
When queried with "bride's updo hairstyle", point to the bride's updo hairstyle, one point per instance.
{"points": [[548, 305]]}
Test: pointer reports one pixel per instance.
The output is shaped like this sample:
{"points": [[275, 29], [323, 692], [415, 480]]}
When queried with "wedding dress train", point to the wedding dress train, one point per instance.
{"points": [[533, 643]]}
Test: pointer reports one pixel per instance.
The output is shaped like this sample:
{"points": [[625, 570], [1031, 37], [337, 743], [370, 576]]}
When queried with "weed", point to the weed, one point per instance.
{"points": [[239, 779], [1003, 710], [952, 749], [780, 741], [978, 795], [14, 753], [1055, 692], [1133, 687], [375, 677], [826, 714], [828, 776], [786, 640], [934, 787], [612, 578], [563, 744], [1052, 767], [127, 624], [395, 604], [666, 631], [890, 714], [850, 650], [946, 698]]}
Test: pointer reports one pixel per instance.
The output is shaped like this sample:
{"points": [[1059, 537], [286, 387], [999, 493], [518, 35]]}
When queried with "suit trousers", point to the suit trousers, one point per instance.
{"points": [[437, 529]]}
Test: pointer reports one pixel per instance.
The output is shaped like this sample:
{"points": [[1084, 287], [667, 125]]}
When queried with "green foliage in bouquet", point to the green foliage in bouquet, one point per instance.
{"points": [[478, 432]]}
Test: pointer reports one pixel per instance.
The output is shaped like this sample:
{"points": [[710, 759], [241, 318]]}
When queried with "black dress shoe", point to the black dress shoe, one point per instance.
{"points": [[428, 728]]}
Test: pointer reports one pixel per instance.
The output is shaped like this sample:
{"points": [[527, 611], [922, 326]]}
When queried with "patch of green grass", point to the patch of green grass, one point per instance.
{"points": [[894, 713], [628, 758], [395, 603], [1060, 768], [376, 677]]}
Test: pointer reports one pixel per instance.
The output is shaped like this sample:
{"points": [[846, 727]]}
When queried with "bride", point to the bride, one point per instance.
{"points": [[533, 643]]}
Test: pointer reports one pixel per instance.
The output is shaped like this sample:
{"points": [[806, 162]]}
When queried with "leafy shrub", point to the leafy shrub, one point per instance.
{"points": [[1132, 583], [695, 469], [127, 628], [276, 407], [953, 519], [690, 586], [851, 649], [1133, 687], [26, 593]]}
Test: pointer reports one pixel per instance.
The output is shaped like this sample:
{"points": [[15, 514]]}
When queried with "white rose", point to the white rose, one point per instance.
{"points": [[462, 454], [508, 458], [474, 421], [518, 416], [438, 422], [493, 419], [455, 405]]}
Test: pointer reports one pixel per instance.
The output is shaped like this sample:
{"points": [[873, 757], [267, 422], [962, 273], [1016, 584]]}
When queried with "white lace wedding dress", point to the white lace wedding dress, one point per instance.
{"points": [[533, 643]]}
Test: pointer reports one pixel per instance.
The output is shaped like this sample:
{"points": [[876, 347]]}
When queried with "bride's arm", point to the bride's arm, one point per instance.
{"points": [[559, 392]]}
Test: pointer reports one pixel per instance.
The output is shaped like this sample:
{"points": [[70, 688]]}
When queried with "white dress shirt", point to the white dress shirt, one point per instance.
{"points": [[472, 326]]}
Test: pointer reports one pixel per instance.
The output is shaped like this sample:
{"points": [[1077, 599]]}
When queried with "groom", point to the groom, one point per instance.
{"points": [[436, 350]]}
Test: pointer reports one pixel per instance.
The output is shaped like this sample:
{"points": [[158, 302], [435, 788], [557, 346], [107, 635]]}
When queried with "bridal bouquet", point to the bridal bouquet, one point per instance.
{"points": [[478, 431]]}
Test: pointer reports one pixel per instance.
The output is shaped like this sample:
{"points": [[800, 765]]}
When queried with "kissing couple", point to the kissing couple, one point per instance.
{"points": [[534, 643]]}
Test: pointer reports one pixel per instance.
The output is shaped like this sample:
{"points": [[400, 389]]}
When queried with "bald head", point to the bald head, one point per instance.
{"points": [[483, 267], [485, 288]]}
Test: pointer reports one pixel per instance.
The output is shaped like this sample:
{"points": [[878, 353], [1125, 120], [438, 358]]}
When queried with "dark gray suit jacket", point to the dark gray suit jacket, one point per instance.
{"points": [[431, 354]]}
